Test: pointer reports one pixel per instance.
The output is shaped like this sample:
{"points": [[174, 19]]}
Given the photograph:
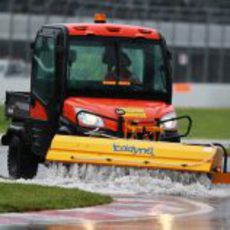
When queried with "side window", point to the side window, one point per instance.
{"points": [[44, 67], [159, 69]]}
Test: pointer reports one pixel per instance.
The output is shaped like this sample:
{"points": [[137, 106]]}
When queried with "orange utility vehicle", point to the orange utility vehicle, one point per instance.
{"points": [[101, 94]]}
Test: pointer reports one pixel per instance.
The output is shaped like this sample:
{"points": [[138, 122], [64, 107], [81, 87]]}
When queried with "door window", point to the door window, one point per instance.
{"points": [[44, 67]]}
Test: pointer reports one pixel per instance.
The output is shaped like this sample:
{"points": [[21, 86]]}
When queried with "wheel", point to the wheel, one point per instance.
{"points": [[21, 163]]}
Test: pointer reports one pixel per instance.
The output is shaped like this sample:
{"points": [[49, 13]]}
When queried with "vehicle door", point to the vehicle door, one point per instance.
{"points": [[45, 102]]}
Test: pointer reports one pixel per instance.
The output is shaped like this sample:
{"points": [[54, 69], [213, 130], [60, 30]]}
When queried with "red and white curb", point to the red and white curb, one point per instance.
{"points": [[122, 209]]}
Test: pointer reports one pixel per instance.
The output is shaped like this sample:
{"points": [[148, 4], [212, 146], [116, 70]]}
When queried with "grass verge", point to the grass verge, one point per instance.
{"points": [[208, 123], [3, 120], [24, 197]]}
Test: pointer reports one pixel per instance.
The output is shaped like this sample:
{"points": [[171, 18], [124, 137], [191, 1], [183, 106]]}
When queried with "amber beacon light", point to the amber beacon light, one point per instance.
{"points": [[100, 18]]}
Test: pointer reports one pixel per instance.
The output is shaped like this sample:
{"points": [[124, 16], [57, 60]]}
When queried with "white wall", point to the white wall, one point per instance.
{"points": [[204, 95]]}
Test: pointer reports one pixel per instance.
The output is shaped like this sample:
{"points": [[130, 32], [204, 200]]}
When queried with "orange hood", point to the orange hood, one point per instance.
{"points": [[141, 109]]}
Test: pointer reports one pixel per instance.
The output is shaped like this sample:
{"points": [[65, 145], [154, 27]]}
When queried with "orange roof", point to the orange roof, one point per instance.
{"points": [[112, 30]]}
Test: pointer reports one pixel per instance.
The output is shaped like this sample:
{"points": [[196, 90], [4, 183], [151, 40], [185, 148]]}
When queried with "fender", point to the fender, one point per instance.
{"points": [[13, 130]]}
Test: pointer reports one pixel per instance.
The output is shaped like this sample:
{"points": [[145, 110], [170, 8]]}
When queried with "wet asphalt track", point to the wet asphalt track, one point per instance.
{"points": [[127, 212]]}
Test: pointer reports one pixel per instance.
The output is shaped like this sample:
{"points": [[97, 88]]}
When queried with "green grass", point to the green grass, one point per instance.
{"points": [[23, 197], [3, 122], [208, 123]]}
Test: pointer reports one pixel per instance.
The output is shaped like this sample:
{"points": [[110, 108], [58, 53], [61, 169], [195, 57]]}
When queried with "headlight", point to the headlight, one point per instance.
{"points": [[90, 120], [169, 125]]}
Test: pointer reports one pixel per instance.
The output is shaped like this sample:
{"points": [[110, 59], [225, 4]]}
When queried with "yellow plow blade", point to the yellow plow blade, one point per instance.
{"points": [[134, 153]]}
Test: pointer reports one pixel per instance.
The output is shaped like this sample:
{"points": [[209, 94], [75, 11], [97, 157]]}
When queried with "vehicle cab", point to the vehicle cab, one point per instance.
{"points": [[94, 73]]}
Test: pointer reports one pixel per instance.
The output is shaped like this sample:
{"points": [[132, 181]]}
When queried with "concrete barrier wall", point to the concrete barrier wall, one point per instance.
{"points": [[202, 95]]}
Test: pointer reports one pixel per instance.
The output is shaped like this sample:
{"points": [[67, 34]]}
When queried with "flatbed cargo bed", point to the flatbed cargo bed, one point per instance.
{"points": [[17, 105]]}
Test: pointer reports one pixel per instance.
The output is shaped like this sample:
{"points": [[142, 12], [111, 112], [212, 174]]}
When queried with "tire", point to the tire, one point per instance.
{"points": [[21, 163]]}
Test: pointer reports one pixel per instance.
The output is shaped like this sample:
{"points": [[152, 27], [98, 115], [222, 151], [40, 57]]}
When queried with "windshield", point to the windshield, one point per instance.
{"points": [[124, 67]]}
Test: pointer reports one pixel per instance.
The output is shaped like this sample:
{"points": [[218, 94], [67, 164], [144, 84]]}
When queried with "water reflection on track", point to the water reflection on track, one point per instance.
{"points": [[125, 210], [200, 218]]}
